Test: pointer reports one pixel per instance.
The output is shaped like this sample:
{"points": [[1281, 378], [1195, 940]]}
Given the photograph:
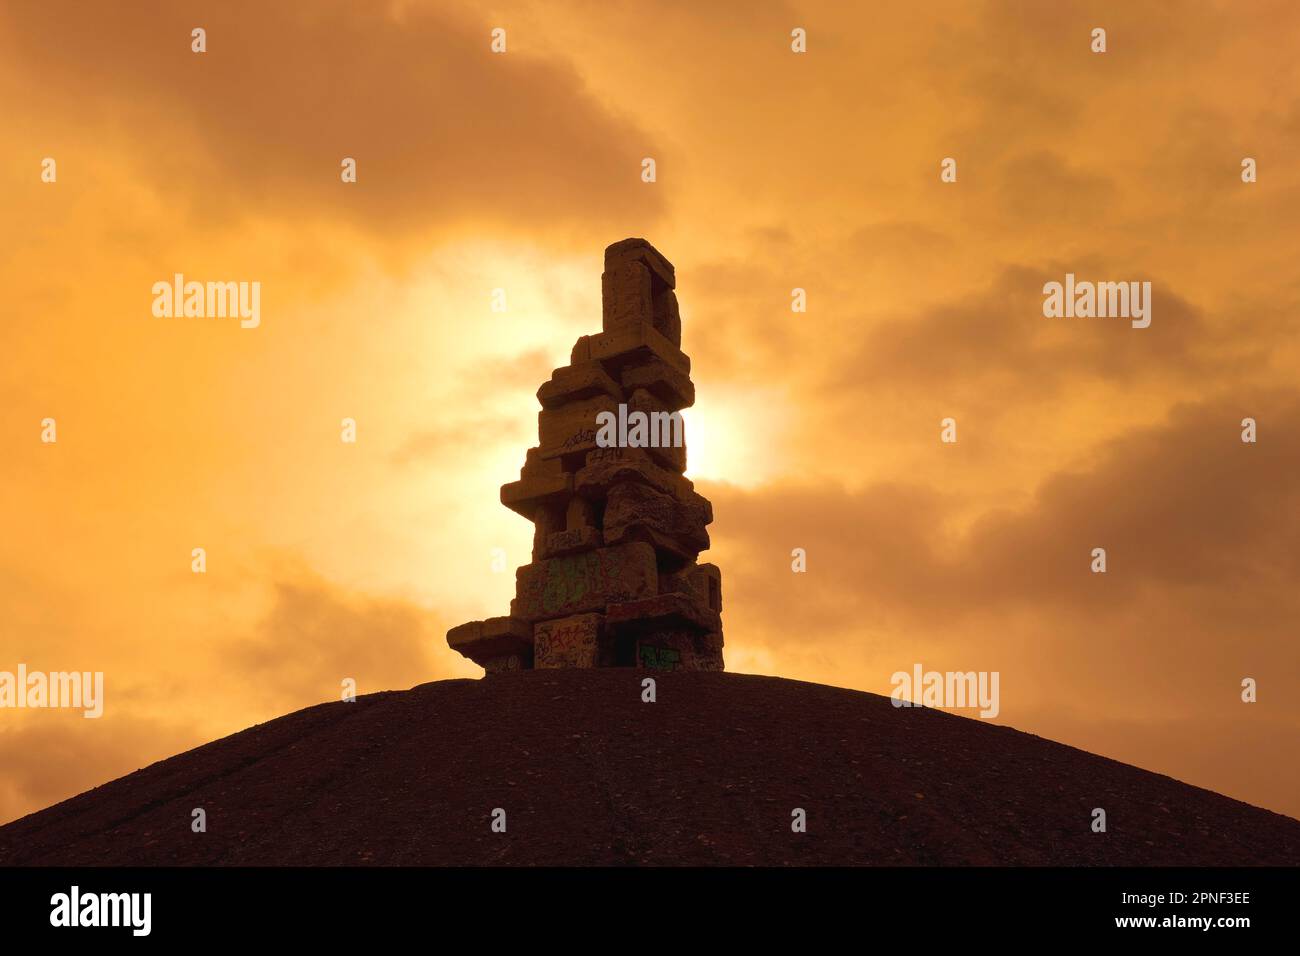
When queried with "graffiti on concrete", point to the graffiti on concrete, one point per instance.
{"points": [[659, 658]]}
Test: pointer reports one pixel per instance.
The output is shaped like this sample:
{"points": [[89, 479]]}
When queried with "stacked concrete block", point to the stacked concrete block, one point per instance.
{"points": [[614, 580]]}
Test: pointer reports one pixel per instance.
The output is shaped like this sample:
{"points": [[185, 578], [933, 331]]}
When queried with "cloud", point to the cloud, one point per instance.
{"points": [[1181, 505], [1042, 185], [998, 337], [444, 132], [312, 636], [316, 634], [52, 755], [453, 428], [1202, 534], [776, 171]]}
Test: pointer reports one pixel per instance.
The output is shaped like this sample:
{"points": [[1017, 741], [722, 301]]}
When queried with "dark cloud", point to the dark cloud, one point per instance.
{"points": [[996, 342], [1183, 505], [1202, 534], [443, 131]]}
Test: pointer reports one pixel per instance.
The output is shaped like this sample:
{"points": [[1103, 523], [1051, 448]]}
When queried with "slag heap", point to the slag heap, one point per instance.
{"points": [[614, 580]]}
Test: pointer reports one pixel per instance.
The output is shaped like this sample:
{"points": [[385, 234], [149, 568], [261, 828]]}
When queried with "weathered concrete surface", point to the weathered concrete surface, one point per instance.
{"points": [[576, 383], [587, 581], [674, 611], [672, 387], [572, 642], [608, 467], [497, 644], [571, 428], [636, 512]]}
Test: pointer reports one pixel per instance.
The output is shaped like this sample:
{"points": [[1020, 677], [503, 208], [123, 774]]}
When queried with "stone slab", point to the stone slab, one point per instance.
{"points": [[626, 295], [702, 581], [560, 543], [577, 382], [670, 386], [527, 494], [607, 467], [637, 512], [588, 581], [679, 651], [494, 642], [571, 642], [535, 466], [665, 430], [639, 343], [571, 428], [676, 610], [640, 250]]}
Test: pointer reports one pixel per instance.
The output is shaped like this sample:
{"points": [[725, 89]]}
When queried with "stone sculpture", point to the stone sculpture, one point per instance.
{"points": [[614, 580]]}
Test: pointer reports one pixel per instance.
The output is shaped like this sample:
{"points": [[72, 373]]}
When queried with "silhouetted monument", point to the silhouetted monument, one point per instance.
{"points": [[614, 580]]}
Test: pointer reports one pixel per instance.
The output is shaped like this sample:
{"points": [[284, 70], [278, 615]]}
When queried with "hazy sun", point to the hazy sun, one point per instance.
{"points": [[731, 434]]}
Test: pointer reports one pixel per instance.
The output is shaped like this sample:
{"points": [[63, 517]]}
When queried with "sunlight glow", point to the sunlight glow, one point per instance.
{"points": [[731, 434]]}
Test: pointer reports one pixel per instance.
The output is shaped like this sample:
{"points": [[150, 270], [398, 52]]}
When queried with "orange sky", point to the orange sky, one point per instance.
{"points": [[820, 430]]}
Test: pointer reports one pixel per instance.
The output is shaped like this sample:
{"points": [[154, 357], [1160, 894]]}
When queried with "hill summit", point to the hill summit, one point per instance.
{"points": [[581, 770]]}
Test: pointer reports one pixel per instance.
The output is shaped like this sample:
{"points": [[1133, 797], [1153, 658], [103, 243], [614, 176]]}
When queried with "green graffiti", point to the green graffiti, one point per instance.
{"points": [[569, 580], [660, 658]]}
